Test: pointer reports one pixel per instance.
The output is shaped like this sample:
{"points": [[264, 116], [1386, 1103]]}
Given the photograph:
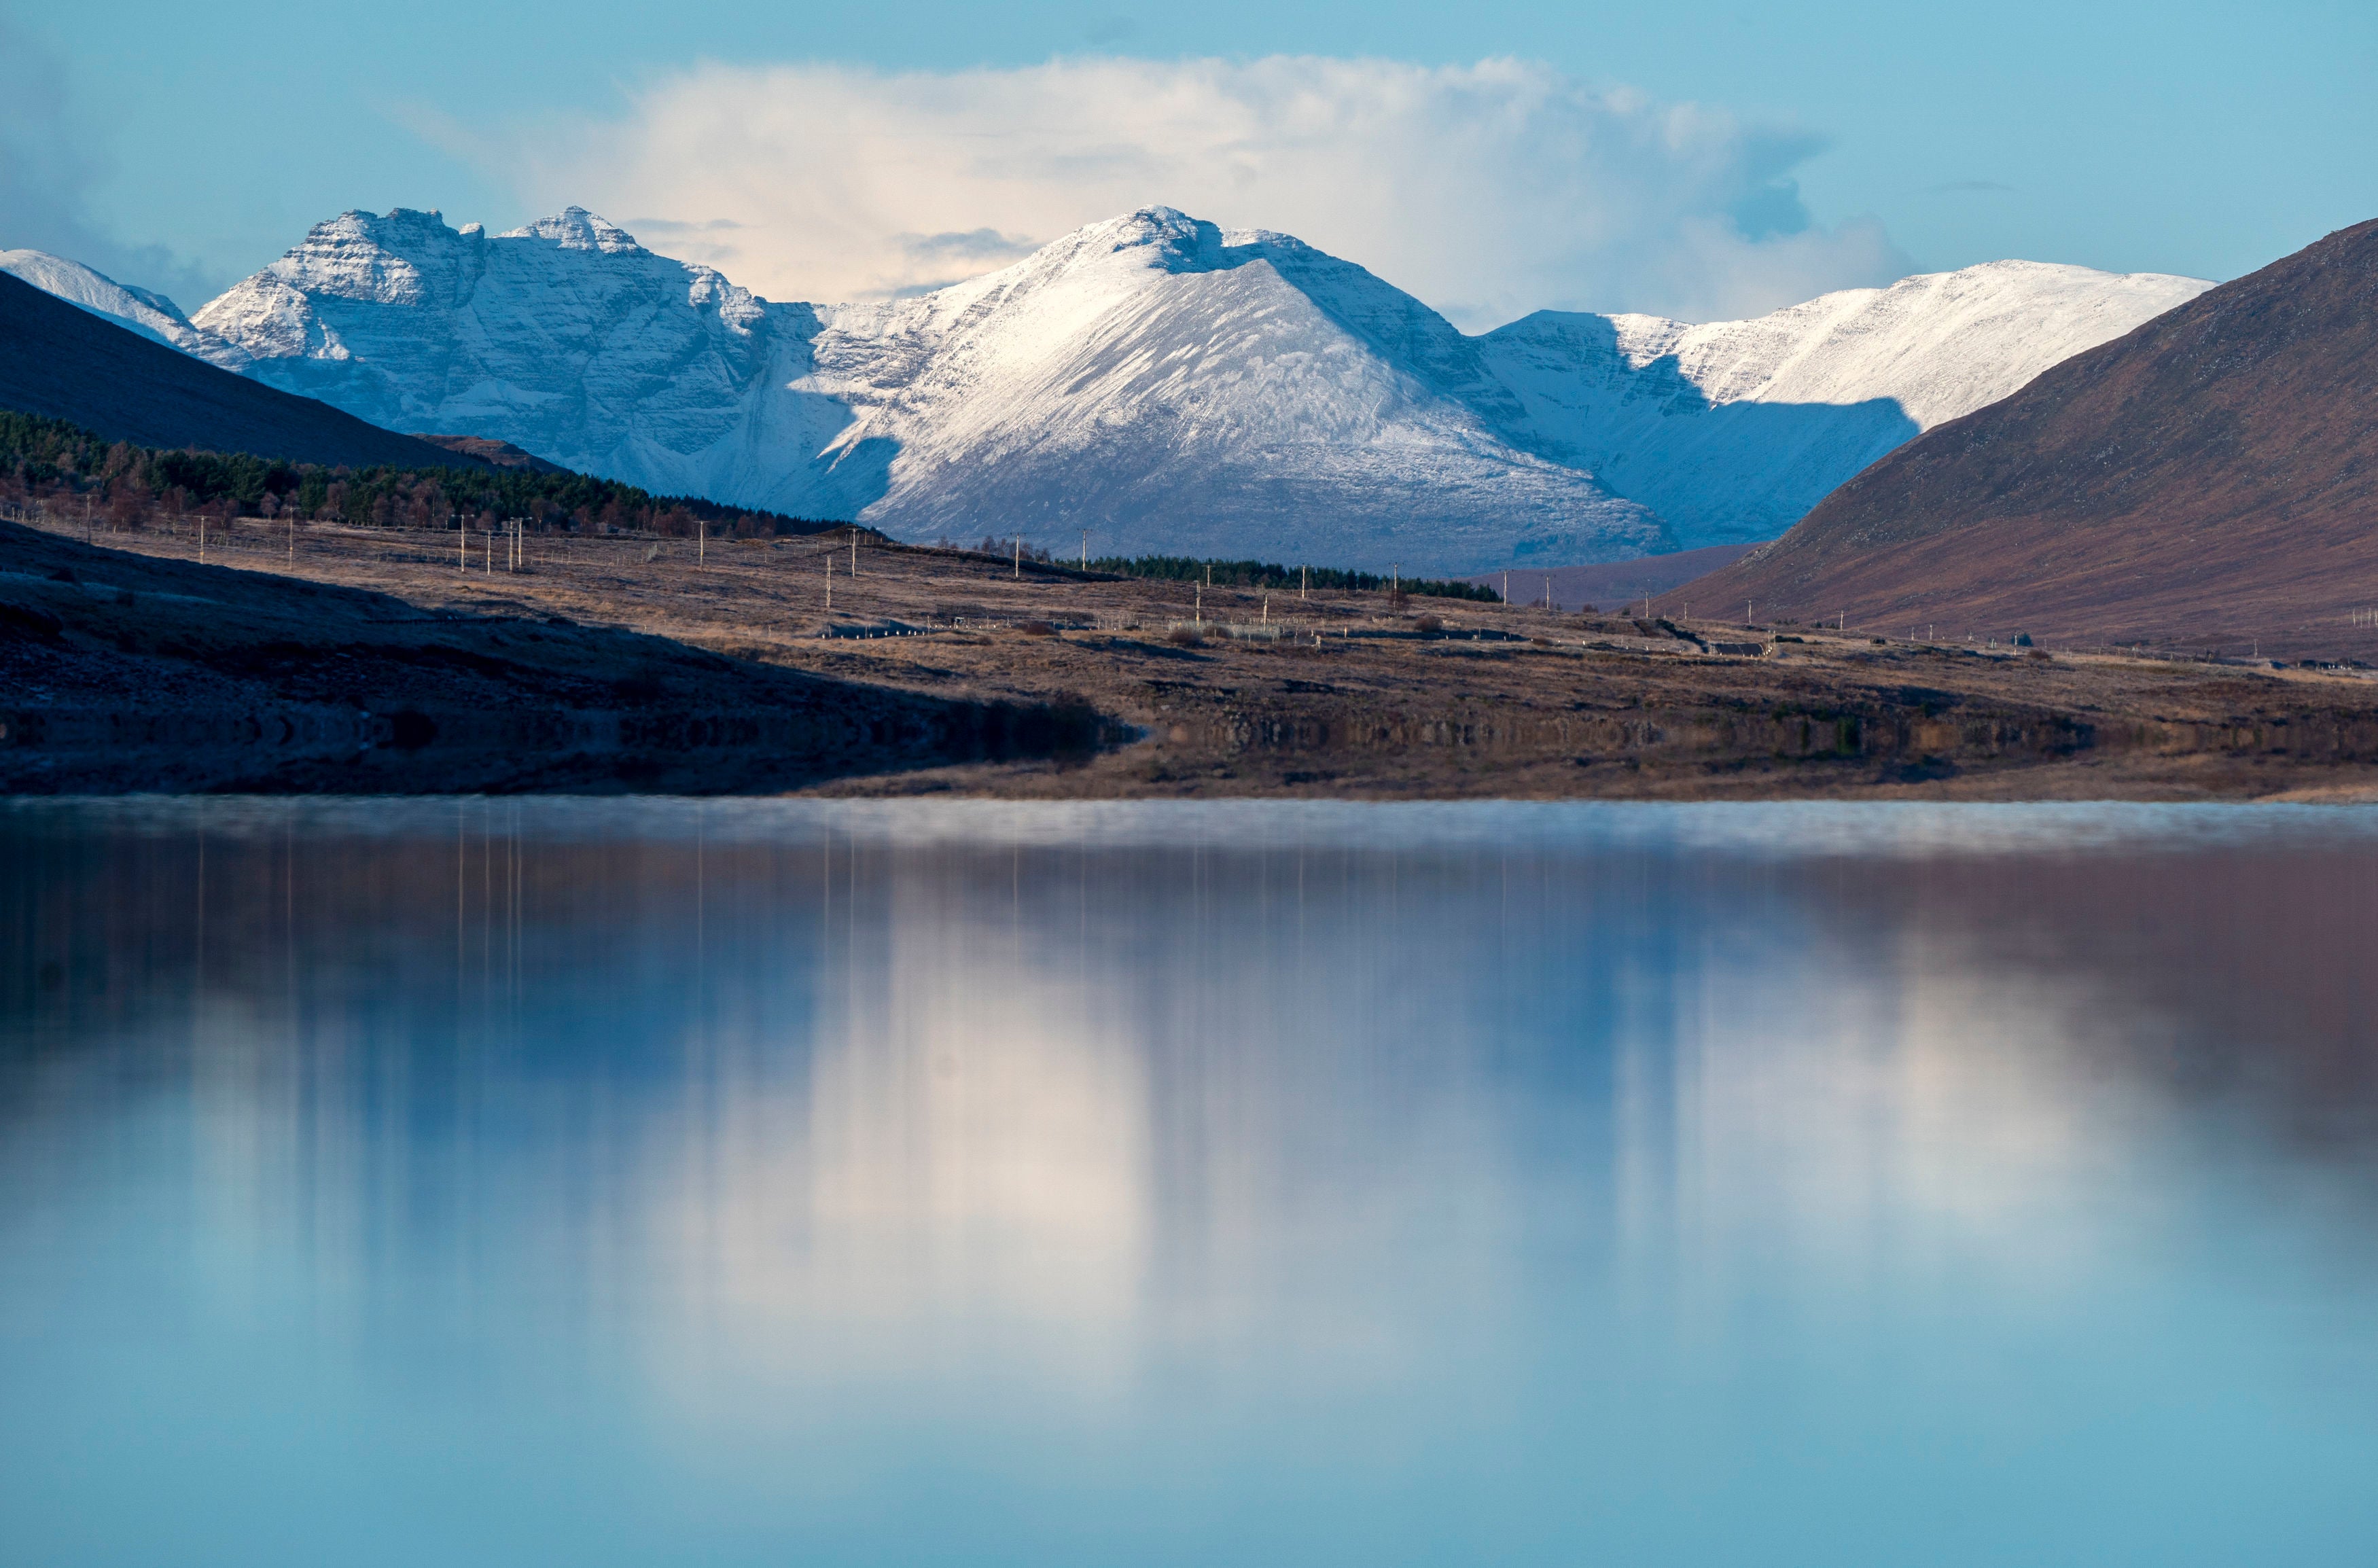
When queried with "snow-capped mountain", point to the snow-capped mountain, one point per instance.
{"points": [[1181, 389], [1730, 431], [139, 310], [1166, 385]]}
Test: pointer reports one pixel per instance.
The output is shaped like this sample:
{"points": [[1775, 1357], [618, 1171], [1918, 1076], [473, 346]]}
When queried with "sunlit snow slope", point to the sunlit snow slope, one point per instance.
{"points": [[1165, 385], [1178, 389]]}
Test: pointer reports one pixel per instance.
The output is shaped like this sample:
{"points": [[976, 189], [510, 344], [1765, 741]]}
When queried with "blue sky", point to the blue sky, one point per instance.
{"points": [[182, 146]]}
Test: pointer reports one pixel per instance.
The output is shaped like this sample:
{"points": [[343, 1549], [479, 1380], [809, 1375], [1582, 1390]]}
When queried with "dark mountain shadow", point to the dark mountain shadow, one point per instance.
{"points": [[1740, 472], [1715, 473]]}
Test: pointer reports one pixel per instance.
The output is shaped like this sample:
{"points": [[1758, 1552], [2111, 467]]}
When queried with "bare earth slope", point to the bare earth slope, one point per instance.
{"points": [[2210, 479], [68, 364]]}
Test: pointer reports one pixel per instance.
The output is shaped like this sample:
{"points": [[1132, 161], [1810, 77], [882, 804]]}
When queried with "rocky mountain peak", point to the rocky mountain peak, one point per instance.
{"points": [[574, 228]]}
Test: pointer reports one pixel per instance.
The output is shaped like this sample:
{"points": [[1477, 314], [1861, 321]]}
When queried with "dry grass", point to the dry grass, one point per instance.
{"points": [[1343, 694]]}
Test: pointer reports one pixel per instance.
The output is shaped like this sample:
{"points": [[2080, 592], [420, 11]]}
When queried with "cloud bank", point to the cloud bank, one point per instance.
{"points": [[47, 173], [1488, 190]]}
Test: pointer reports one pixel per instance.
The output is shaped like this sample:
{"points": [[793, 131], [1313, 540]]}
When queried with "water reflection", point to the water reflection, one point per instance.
{"points": [[512, 1182]]}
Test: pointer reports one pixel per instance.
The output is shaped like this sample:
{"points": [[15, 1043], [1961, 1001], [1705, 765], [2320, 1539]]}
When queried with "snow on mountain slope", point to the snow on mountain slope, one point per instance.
{"points": [[1176, 390], [151, 315], [1144, 378], [1172, 388], [565, 338], [1732, 430]]}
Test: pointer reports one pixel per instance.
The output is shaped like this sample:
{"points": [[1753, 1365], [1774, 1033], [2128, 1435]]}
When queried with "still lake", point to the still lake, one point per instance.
{"points": [[579, 1182]]}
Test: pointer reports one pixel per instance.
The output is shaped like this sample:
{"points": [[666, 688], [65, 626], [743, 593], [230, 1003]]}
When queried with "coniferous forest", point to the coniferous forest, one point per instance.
{"points": [[52, 458]]}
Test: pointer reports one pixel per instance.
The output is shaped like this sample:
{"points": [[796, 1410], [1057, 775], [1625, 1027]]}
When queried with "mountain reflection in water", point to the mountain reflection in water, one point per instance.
{"points": [[520, 1181]]}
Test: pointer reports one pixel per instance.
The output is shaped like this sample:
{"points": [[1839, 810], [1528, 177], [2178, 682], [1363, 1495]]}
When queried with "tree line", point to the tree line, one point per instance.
{"points": [[1268, 574], [53, 457]]}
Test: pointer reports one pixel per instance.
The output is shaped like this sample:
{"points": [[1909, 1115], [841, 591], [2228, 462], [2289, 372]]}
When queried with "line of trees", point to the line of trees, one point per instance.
{"points": [[52, 458], [1267, 574]]}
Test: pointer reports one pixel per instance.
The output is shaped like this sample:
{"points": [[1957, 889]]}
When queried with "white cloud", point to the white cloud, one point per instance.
{"points": [[1487, 190]]}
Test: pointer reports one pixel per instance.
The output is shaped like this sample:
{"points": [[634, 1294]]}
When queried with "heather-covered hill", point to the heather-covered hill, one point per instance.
{"points": [[2210, 478]]}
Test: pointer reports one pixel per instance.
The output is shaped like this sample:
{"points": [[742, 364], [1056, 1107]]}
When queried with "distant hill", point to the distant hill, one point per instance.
{"points": [[1613, 585], [2210, 478], [501, 454], [64, 363]]}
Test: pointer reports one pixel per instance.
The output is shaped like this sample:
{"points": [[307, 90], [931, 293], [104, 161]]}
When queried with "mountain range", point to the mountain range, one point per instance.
{"points": [[1170, 386]]}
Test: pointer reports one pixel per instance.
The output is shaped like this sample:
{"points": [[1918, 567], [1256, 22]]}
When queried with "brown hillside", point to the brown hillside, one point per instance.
{"points": [[499, 454], [2210, 480], [64, 363]]}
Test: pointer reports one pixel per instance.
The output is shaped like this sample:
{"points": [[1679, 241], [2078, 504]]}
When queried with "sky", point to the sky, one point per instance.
{"points": [[1493, 157]]}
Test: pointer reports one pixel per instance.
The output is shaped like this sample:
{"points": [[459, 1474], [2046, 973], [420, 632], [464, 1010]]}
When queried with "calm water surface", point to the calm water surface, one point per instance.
{"points": [[585, 1183]]}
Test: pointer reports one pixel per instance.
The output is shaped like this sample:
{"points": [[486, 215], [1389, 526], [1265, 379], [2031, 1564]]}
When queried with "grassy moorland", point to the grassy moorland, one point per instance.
{"points": [[639, 661]]}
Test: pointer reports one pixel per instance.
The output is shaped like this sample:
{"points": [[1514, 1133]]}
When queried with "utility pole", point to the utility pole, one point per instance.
{"points": [[202, 536], [829, 583], [1304, 583], [1019, 554], [701, 542], [1200, 589], [1086, 549], [854, 549]]}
